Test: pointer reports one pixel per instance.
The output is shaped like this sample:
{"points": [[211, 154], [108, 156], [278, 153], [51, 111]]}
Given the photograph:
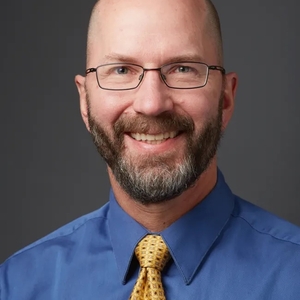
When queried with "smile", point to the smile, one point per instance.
{"points": [[153, 138]]}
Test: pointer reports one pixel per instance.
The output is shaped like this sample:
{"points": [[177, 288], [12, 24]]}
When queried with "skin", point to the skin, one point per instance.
{"points": [[152, 33]]}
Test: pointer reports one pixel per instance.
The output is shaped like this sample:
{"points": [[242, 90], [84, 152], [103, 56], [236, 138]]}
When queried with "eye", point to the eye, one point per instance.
{"points": [[183, 69], [121, 70]]}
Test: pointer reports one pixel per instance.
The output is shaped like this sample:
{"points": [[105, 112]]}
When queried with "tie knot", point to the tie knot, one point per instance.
{"points": [[152, 252]]}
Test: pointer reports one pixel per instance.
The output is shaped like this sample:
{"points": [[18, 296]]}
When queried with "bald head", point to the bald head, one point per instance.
{"points": [[213, 28], [207, 15]]}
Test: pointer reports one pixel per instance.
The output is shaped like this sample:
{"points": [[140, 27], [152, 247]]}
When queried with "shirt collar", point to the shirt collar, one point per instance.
{"points": [[194, 232]]}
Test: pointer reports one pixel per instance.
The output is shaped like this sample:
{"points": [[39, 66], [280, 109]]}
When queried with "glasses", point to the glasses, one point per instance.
{"points": [[178, 75]]}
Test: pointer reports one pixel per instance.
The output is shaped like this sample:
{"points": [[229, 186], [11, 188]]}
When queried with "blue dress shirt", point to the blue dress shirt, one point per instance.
{"points": [[224, 248]]}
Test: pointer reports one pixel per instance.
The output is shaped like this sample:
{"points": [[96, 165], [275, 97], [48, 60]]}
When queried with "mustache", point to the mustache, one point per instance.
{"points": [[163, 123]]}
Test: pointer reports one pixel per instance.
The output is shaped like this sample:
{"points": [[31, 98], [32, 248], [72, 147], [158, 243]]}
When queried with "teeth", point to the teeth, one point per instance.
{"points": [[159, 137], [153, 137], [172, 134]]}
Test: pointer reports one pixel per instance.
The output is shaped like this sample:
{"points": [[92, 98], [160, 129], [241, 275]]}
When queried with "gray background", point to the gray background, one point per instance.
{"points": [[50, 171]]}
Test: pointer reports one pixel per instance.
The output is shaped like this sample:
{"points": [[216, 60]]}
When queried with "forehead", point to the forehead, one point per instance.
{"points": [[148, 31]]}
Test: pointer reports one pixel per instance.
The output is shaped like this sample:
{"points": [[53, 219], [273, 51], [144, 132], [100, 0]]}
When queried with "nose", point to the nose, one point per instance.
{"points": [[153, 96]]}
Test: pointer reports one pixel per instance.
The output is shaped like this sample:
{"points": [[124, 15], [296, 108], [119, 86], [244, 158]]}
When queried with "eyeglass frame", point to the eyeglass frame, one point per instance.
{"points": [[162, 76]]}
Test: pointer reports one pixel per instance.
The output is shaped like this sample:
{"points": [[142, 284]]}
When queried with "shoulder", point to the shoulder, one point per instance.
{"points": [[71, 232], [269, 245], [264, 223], [47, 265]]}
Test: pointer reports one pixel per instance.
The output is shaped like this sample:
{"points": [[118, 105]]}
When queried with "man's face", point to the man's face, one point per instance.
{"points": [[157, 141]]}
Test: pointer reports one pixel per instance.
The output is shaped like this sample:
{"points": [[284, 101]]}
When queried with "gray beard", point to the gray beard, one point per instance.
{"points": [[159, 178]]}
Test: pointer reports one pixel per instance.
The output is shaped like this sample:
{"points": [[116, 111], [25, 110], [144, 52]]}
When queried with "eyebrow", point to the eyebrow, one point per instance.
{"points": [[186, 57], [116, 57]]}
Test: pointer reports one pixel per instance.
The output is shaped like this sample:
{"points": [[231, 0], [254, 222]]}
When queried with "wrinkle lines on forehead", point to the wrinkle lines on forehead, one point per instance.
{"points": [[116, 57]]}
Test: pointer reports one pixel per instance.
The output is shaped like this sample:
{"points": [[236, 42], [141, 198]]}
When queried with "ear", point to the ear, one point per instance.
{"points": [[80, 83], [230, 87]]}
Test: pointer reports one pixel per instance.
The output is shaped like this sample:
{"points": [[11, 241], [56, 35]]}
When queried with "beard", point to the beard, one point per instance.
{"points": [[158, 178]]}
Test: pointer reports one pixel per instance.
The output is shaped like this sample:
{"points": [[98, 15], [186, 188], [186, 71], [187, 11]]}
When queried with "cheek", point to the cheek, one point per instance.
{"points": [[200, 107], [107, 106]]}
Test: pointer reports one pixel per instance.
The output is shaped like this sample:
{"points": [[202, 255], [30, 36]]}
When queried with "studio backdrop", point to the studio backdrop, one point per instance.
{"points": [[50, 170]]}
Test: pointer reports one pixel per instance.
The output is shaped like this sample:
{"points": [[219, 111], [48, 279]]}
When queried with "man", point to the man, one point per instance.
{"points": [[156, 101]]}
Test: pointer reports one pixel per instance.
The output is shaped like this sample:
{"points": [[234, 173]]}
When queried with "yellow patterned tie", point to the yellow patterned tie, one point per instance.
{"points": [[153, 254]]}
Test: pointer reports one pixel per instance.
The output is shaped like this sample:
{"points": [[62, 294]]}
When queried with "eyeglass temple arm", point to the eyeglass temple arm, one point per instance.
{"points": [[218, 68], [90, 70]]}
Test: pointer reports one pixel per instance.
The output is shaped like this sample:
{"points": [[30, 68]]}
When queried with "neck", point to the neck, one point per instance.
{"points": [[157, 217]]}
